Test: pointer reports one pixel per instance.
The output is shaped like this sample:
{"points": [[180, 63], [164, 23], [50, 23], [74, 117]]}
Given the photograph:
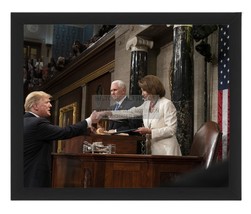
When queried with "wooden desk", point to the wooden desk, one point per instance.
{"points": [[124, 144], [119, 170]]}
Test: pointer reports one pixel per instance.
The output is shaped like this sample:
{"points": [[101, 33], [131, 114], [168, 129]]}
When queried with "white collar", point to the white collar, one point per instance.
{"points": [[121, 101]]}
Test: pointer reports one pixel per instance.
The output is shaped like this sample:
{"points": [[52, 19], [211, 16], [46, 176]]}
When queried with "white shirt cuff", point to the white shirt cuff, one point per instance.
{"points": [[89, 121]]}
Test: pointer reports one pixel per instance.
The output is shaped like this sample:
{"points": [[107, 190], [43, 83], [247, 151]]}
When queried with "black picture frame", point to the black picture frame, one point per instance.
{"points": [[18, 192]]}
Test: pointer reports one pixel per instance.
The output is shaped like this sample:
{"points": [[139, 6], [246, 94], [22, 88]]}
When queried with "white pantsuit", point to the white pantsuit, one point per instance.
{"points": [[161, 120]]}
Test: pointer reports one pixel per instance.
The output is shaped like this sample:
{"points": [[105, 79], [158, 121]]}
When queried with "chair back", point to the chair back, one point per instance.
{"points": [[206, 142]]}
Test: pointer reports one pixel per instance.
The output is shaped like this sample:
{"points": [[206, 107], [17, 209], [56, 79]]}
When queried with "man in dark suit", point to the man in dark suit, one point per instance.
{"points": [[122, 102], [38, 136]]}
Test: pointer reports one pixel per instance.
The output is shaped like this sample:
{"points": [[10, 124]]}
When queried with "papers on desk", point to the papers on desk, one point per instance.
{"points": [[101, 131]]}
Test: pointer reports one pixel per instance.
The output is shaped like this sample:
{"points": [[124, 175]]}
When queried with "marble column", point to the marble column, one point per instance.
{"points": [[182, 84], [139, 48]]}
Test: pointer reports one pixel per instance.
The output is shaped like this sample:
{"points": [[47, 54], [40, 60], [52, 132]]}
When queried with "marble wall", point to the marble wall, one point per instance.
{"points": [[159, 63]]}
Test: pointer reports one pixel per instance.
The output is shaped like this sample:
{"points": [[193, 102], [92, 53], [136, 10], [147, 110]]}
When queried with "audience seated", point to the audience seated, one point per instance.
{"points": [[35, 73], [78, 48]]}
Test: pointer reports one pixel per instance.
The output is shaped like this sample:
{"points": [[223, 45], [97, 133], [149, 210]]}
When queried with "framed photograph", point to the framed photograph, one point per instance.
{"points": [[67, 114]]}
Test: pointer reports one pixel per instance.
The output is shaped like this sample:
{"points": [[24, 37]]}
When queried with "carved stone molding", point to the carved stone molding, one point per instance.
{"points": [[139, 44], [185, 25]]}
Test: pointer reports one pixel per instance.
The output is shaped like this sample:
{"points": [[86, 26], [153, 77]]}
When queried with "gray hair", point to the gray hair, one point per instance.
{"points": [[120, 83]]}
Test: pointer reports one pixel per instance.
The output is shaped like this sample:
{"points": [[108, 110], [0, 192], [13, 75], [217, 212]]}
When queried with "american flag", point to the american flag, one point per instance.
{"points": [[223, 90]]}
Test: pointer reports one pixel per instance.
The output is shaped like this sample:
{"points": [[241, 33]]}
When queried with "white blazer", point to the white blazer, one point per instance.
{"points": [[162, 121]]}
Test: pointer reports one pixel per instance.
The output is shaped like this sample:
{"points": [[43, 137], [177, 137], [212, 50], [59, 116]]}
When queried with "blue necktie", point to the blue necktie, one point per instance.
{"points": [[116, 106]]}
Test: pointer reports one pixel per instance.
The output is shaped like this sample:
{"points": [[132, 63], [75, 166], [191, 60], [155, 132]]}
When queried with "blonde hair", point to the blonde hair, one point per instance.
{"points": [[33, 97]]}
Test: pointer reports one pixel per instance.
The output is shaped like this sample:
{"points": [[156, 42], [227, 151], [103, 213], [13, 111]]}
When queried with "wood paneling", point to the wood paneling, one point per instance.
{"points": [[69, 98], [99, 86], [119, 170]]}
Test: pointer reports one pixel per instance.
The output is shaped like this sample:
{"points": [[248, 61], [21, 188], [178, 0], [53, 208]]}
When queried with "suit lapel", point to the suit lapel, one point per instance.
{"points": [[123, 104]]}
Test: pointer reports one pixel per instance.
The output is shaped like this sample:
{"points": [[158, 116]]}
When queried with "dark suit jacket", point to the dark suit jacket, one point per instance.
{"points": [[38, 136], [126, 124]]}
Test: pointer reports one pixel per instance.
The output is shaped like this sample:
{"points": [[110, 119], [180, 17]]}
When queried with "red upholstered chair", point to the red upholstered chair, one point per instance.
{"points": [[206, 142]]}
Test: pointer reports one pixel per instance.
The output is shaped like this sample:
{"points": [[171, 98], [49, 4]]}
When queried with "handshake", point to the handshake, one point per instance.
{"points": [[96, 116]]}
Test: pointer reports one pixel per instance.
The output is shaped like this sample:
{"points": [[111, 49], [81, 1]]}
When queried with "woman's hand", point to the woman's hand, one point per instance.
{"points": [[103, 114], [143, 130]]}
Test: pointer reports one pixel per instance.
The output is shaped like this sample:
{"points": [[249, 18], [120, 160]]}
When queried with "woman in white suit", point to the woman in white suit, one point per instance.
{"points": [[159, 118]]}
